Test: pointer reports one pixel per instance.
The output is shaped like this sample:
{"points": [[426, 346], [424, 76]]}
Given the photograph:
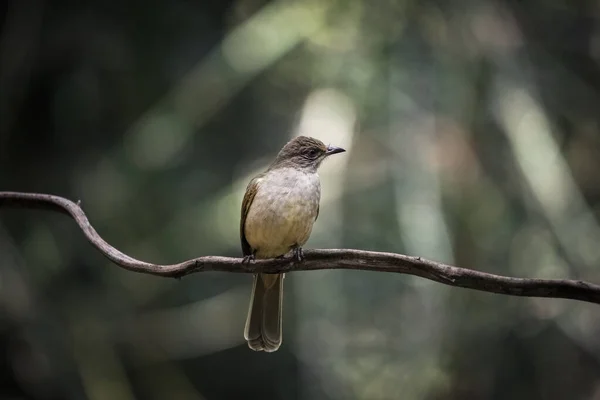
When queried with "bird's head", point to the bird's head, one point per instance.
{"points": [[304, 152]]}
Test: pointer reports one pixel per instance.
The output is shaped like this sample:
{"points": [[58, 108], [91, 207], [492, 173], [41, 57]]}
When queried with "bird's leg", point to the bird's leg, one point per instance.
{"points": [[250, 258], [298, 253]]}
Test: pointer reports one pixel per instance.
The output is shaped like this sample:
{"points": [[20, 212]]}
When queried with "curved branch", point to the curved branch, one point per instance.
{"points": [[318, 259]]}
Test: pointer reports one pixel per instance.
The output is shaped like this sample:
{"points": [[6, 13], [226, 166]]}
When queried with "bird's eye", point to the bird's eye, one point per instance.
{"points": [[312, 153]]}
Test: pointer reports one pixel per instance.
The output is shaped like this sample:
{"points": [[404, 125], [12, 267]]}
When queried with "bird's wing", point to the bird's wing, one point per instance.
{"points": [[246, 202]]}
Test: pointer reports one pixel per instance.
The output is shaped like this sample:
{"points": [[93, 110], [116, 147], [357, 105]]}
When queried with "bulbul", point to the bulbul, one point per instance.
{"points": [[278, 212]]}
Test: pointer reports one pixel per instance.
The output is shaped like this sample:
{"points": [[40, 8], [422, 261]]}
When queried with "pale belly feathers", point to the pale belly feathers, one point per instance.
{"points": [[283, 211]]}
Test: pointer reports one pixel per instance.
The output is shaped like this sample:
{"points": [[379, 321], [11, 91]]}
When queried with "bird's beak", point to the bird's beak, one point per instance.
{"points": [[333, 150]]}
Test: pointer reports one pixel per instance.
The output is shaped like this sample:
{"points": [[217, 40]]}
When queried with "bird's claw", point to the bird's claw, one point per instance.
{"points": [[248, 259], [298, 254]]}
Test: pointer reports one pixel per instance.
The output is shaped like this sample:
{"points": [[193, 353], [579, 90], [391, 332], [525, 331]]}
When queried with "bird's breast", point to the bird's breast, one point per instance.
{"points": [[283, 211]]}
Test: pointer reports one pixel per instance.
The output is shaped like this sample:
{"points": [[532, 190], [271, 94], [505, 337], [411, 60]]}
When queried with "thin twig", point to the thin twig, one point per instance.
{"points": [[318, 259]]}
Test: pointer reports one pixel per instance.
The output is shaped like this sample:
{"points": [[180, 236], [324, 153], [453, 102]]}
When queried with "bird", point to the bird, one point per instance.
{"points": [[279, 208]]}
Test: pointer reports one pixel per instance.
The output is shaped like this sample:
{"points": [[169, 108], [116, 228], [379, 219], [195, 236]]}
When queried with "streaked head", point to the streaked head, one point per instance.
{"points": [[304, 152]]}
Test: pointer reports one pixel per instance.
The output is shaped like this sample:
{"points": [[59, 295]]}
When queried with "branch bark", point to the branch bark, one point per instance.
{"points": [[317, 260]]}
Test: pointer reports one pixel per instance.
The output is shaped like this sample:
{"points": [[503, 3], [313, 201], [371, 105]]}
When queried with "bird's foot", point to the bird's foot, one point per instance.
{"points": [[298, 254], [248, 259]]}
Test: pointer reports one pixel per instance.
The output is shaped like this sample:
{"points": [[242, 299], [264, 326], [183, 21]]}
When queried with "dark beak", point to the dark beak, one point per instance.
{"points": [[333, 150]]}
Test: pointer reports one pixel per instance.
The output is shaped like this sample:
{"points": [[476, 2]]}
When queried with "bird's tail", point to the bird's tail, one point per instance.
{"points": [[263, 325]]}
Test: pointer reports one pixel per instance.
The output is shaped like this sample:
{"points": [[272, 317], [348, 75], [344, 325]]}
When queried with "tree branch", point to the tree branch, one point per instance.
{"points": [[318, 259]]}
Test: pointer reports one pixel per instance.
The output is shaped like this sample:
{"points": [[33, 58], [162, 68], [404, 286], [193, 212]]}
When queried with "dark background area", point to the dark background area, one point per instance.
{"points": [[473, 138]]}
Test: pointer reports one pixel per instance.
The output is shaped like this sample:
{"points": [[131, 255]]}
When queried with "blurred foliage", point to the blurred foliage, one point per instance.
{"points": [[473, 136]]}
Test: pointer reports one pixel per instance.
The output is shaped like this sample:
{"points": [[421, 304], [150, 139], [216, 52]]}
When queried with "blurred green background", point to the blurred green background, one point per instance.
{"points": [[473, 138]]}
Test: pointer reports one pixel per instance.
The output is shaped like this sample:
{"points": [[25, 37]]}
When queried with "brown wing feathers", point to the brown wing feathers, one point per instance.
{"points": [[246, 203]]}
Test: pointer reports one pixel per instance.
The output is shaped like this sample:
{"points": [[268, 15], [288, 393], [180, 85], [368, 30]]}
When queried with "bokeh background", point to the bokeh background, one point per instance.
{"points": [[473, 138]]}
